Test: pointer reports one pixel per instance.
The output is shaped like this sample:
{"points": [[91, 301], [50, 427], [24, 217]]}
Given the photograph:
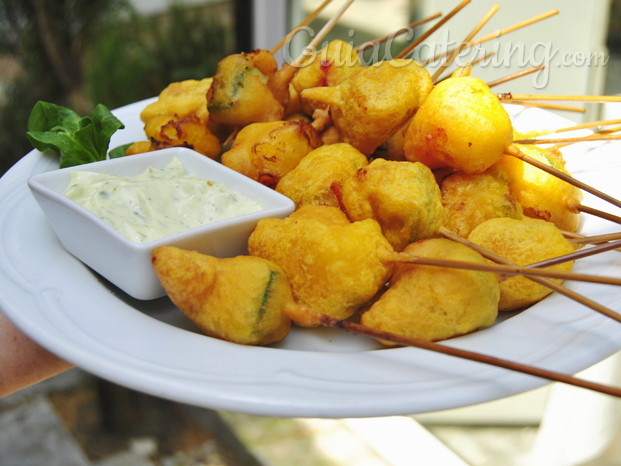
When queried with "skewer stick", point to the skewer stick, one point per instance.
{"points": [[513, 76], [542, 281], [515, 152], [568, 108], [587, 125], [397, 33], [466, 69], [492, 11], [484, 57], [528, 22], [305, 22], [501, 269], [590, 137], [500, 32], [352, 327], [279, 82], [582, 253], [321, 34], [570, 235], [560, 97], [597, 239], [597, 213], [231, 137], [405, 52]]}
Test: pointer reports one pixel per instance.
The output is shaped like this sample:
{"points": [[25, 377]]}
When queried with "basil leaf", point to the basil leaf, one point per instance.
{"points": [[45, 116], [119, 151], [77, 140], [50, 117], [106, 124]]}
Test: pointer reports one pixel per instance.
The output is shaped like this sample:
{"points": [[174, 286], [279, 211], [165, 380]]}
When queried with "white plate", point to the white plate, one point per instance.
{"points": [[152, 347]]}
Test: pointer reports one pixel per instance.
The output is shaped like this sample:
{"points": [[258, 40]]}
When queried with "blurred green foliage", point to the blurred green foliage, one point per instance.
{"points": [[78, 53], [138, 58]]}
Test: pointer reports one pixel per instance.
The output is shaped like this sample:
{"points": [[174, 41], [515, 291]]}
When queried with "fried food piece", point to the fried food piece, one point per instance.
{"points": [[333, 265], [461, 125], [182, 98], [311, 182], [543, 195], [469, 200], [436, 303], [189, 131], [403, 197], [267, 151], [236, 299], [523, 242], [375, 102], [179, 117], [140, 147], [332, 65], [240, 95]]}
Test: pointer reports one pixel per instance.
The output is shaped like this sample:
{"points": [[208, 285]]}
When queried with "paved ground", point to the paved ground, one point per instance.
{"points": [[78, 420]]}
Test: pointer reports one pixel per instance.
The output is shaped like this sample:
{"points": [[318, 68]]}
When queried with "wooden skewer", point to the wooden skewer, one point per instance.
{"points": [[614, 129], [513, 76], [405, 52], [573, 236], [515, 152], [305, 22], [597, 213], [555, 97], [582, 253], [587, 125], [231, 137], [590, 137], [499, 32], [597, 239], [321, 34], [542, 281], [501, 269], [568, 108], [466, 69], [484, 57], [397, 33], [492, 11], [352, 327], [279, 81], [528, 22]]}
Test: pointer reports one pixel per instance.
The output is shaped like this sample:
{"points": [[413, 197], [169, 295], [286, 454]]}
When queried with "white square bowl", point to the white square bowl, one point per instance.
{"points": [[127, 264]]}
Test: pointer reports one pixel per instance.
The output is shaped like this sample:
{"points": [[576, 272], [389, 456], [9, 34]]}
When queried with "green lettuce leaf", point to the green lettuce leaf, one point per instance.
{"points": [[77, 140]]}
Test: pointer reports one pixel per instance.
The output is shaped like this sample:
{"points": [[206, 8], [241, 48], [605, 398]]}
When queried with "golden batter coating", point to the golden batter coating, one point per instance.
{"points": [[240, 95], [189, 131], [179, 118], [375, 102], [333, 265], [403, 197], [332, 65], [469, 200], [238, 299], [436, 303], [181, 98], [523, 242], [461, 125], [267, 151], [543, 195], [312, 181]]}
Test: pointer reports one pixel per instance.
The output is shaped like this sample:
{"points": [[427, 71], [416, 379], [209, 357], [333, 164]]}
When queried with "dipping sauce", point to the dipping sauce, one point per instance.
{"points": [[158, 202]]}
